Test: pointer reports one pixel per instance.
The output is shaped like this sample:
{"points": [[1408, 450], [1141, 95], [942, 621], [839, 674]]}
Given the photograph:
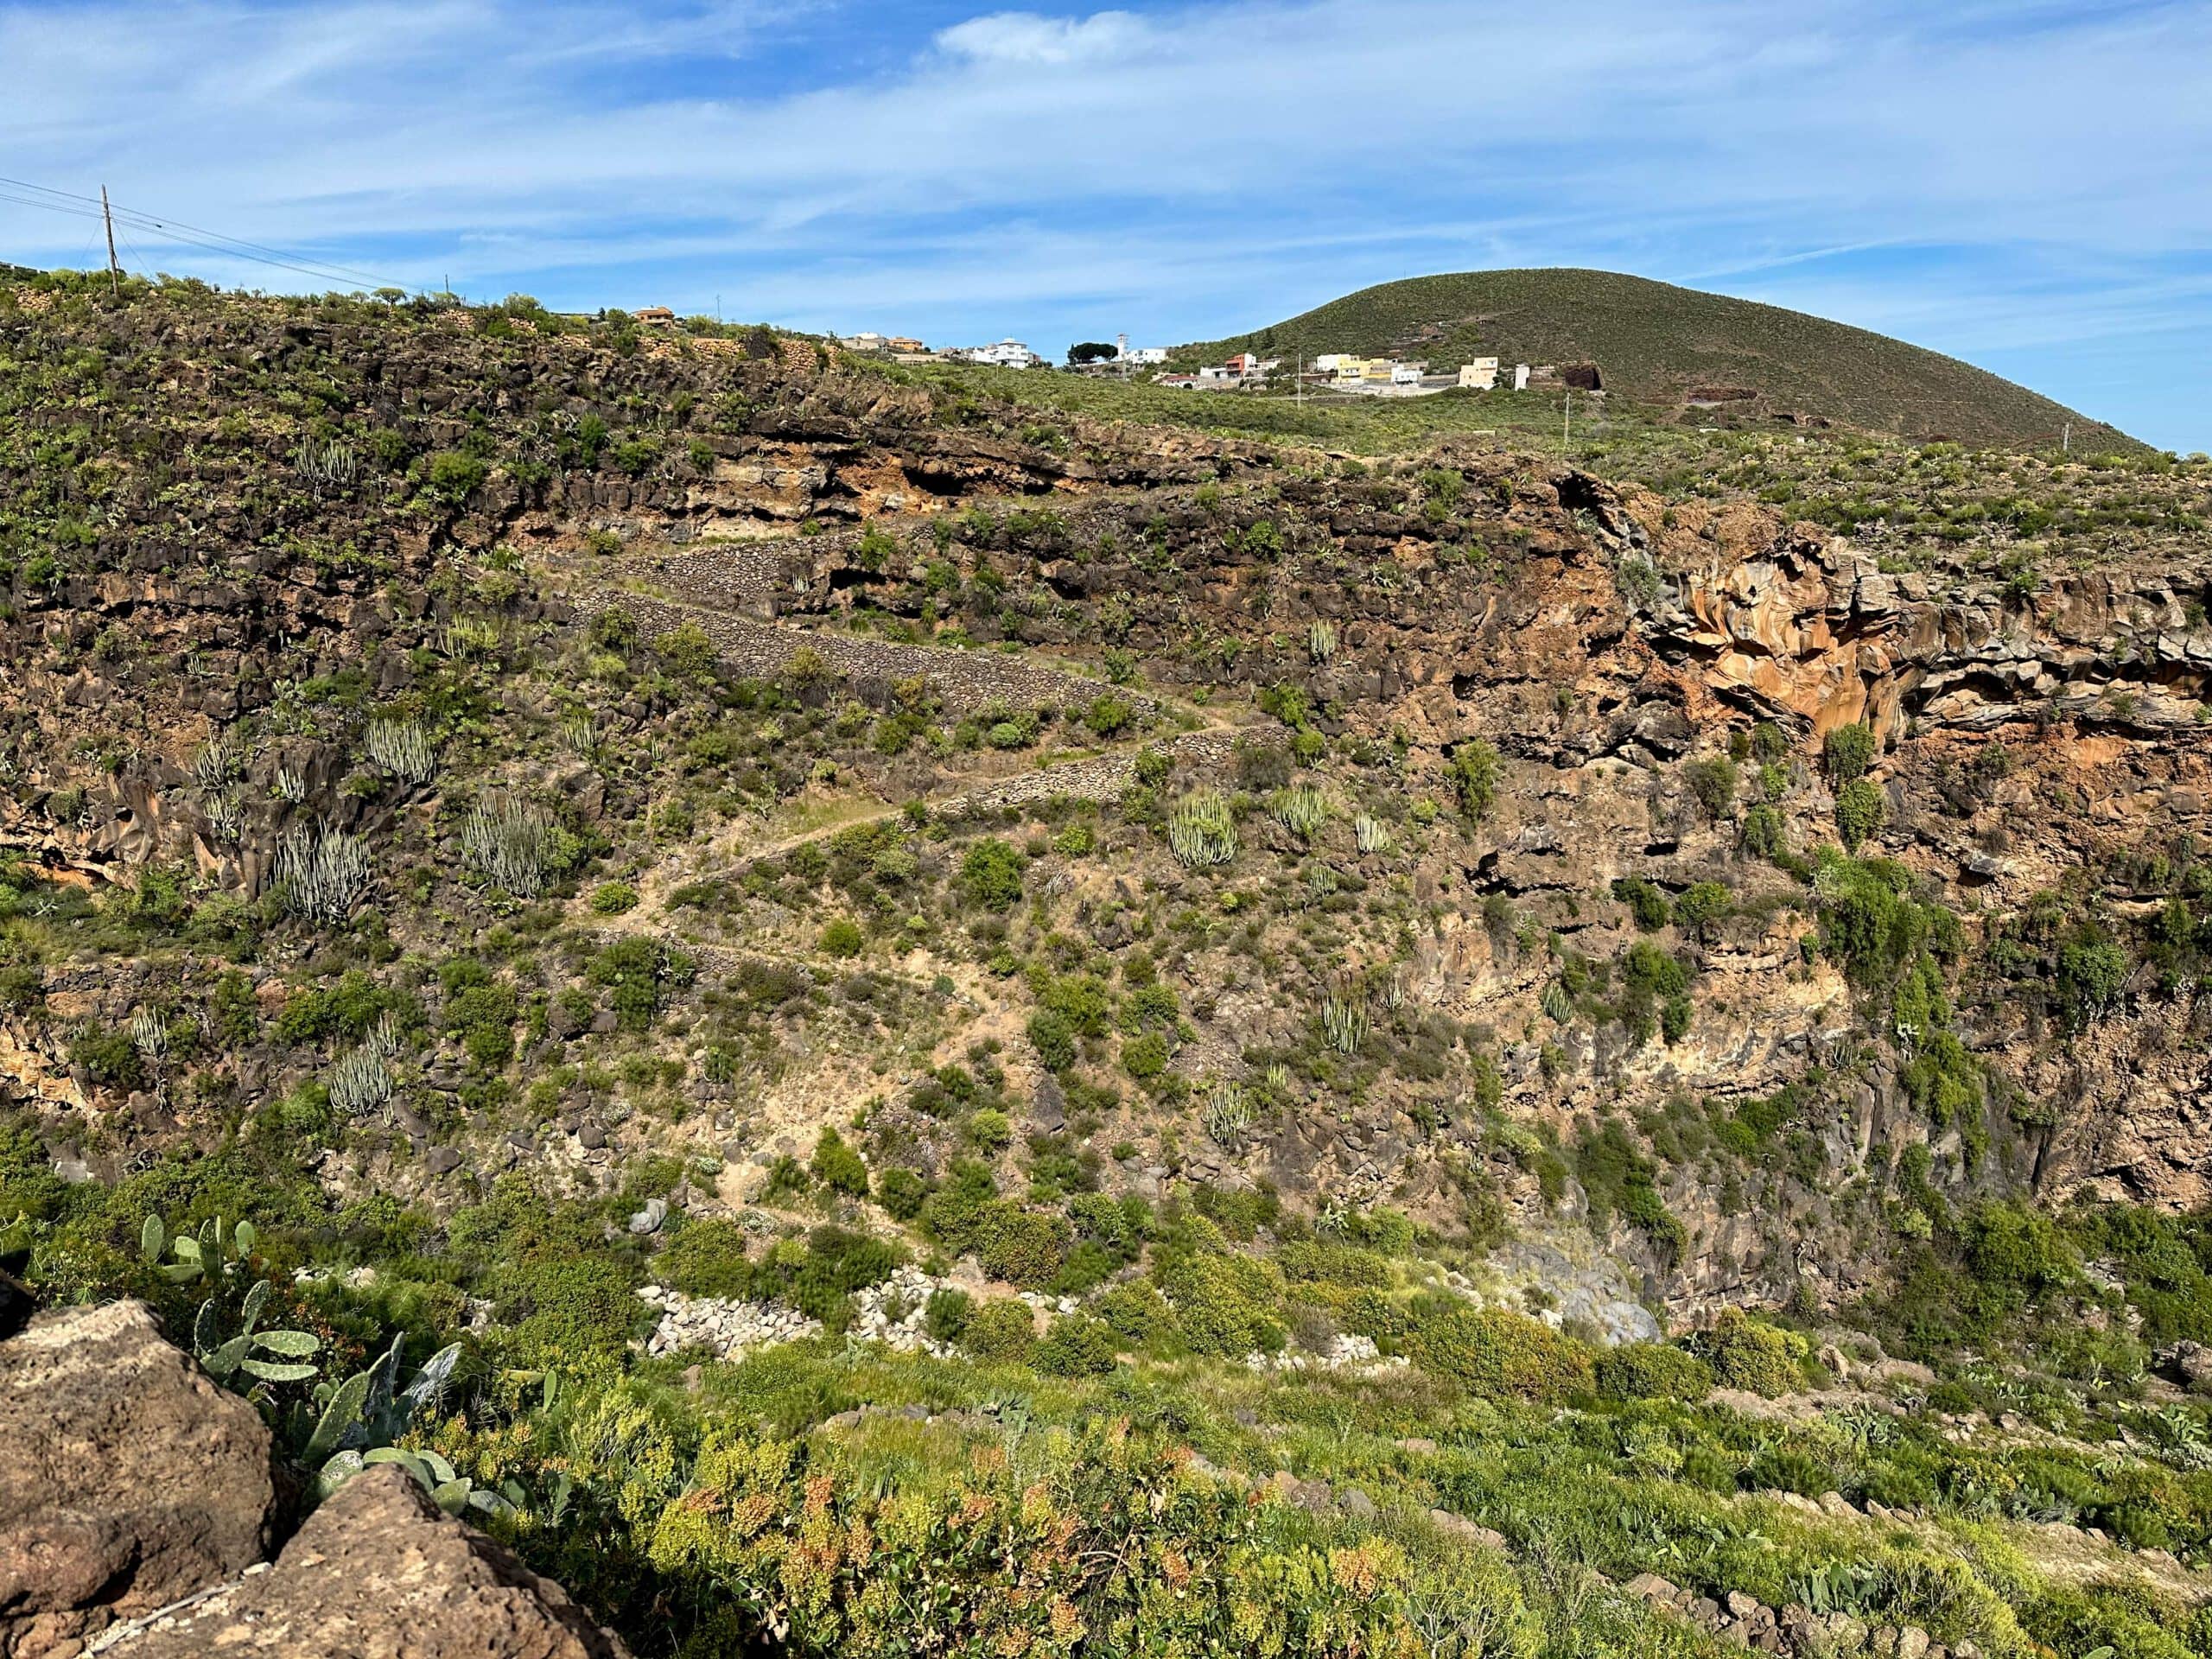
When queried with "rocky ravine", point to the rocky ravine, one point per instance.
{"points": [[137, 1513]]}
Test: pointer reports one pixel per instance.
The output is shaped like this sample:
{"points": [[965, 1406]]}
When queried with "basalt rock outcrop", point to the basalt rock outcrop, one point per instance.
{"points": [[379, 1571], [127, 1478], [138, 1504]]}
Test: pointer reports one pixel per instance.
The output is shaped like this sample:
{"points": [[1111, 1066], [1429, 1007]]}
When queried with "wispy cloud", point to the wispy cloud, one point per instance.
{"points": [[1177, 170]]}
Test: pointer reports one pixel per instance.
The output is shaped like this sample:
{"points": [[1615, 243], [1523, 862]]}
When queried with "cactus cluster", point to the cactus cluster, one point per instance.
{"points": [[224, 815], [216, 764], [1344, 1015], [401, 749], [327, 468], [360, 1080], [321, 872], [1321, 641], [1201, 832], [150, 1035], [1301, 809], [225, 1349], [511, 843], [1227, 1116], [1370, 834]]}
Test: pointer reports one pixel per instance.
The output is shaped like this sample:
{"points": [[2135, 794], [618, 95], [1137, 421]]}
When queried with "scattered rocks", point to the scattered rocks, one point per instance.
{"points": [[895, 1312], [1743, 1620], [649, 1219], [730, 1328], [1345, 1352], [127, 1478]]}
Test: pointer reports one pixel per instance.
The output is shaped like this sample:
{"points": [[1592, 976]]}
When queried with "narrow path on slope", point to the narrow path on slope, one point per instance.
{"points": [[966, 679]]}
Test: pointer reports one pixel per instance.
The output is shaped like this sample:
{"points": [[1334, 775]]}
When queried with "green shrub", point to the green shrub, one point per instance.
{"points": [[1859, 810], [708, 1258], [612, 897], [1653, 1370], [1712, 783], [843, 938], [1747, 1353], [1646, 900], [901, 1192], [1224, 1303], [1474, 777], [1848, 752], [454, 477], [1077, 1345], [947, 1315], [836, 1166], [990, 874], [1001, 1329], [1020, 1247], [1137, 1313], [1495, 1352]]}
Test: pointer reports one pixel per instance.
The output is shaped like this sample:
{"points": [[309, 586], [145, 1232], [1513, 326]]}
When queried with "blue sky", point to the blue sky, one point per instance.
{"points": [[2025, 186]]}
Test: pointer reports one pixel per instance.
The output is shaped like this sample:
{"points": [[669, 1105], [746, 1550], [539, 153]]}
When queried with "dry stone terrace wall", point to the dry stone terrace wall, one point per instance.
{"points": [[967, 680], [1103, 778]]}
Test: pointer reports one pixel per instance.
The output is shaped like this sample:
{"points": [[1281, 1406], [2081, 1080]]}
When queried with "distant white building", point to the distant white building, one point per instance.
{"points": [[1519, 377], [1479, 373], [1143, 355], [1006, 354]]}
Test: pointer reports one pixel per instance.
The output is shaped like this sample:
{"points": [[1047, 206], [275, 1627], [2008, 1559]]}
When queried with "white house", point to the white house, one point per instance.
{"points": [[1479, 373], [1144, 355], [1006, 354], [1519, 377]]}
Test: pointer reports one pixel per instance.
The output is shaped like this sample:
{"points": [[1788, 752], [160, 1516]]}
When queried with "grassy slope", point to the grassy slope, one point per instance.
{"points": [[1657, 341]]}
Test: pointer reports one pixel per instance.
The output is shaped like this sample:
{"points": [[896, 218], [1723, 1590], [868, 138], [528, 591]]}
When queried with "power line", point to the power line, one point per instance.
{"points": [[184, 233], [71, 203]]}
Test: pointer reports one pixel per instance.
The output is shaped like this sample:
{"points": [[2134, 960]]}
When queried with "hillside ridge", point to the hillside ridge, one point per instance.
{"points": [[1664, 343]]}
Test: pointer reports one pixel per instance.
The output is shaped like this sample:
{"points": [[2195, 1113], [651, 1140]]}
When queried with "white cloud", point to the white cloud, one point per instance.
{"points": [[1025, 37]]}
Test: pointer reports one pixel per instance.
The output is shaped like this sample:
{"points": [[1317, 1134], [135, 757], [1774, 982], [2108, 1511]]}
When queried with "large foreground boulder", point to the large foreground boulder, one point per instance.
{"points": [[379, 1572], [128, 1479]]}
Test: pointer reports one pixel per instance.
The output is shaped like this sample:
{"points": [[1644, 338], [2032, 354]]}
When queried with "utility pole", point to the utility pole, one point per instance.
{"points": [[1566, 421], [114, 270], [2066, 439]]}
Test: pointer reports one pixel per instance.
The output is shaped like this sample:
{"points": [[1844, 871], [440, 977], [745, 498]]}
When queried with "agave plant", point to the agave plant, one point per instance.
{"points": [[1200, 830]]}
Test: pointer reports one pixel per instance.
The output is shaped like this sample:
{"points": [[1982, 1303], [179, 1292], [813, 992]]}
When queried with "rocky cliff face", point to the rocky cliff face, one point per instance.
{"points": [[2038, 749]]}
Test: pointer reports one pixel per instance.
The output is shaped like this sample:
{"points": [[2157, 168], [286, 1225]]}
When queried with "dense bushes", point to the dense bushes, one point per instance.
{"points": [[1104, 1544], [1652, 1371], [1746, 1353], [1496, 1352]]}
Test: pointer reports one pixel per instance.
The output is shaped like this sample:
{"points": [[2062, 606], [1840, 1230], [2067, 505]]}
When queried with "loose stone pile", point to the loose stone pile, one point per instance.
{"points": [[1347, 1351], [895, 1312], [1745, 1621], [730, 1328]]}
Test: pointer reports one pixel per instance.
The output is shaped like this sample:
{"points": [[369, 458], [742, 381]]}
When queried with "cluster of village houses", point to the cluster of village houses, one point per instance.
{"points": [[1340, 372]]}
